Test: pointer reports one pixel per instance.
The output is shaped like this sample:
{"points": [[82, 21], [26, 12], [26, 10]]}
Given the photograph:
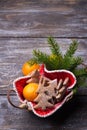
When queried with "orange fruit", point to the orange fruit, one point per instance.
{"points": [[29, 91], [27, 68]]}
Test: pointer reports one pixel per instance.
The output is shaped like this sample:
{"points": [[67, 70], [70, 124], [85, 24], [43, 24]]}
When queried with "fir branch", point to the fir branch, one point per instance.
{"points": [[72, 49], [32, 61], [41, 57], [56, 62], [75, 62], [56, 56], [54, 47], [67, 62], [82, 81], [80, 72]]}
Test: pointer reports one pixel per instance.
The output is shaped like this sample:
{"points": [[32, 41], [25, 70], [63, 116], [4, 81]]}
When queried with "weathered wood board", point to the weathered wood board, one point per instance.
{"points": [[15, 51], [71, 116], [66, 18], [24, 26]]}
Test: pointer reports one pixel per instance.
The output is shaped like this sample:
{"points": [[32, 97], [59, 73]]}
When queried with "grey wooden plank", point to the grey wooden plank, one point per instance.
{"points": [[15, 51], [42, 18], [22, 5], [73, 115]]}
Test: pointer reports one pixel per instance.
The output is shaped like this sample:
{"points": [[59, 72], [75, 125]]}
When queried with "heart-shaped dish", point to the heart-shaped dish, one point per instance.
{"points": [[20, 83]]}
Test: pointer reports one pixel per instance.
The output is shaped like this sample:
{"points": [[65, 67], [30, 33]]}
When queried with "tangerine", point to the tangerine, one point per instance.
{"points": [[27, 68], [29, 91]]}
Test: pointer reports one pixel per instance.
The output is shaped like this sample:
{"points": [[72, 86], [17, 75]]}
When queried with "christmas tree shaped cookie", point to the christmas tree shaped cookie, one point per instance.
{"points": [[46, 91], [43, 101]]}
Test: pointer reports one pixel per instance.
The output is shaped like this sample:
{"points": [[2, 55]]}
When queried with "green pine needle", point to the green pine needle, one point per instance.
{"points": [[72, 48], [54, 47], [75, 62], [80, 72], [56, 60], [32, 61], [41, 57], [82, 81]]}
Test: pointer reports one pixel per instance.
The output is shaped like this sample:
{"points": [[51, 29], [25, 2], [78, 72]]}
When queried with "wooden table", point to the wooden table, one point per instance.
{"points": [[24, 26]]}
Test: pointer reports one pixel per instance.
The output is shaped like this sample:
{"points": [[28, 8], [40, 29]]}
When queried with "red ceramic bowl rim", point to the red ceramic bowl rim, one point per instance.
{"points": [[63, 70], [30, 103]]}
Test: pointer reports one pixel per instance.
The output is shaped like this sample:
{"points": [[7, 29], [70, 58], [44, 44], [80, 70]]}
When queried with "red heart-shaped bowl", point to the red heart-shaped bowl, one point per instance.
{"points": [[20, 83]]}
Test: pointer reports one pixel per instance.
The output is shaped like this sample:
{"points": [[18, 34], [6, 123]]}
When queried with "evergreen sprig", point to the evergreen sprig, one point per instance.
{"points": [[54, 47], [40, 56], [75, 62], [80, 72], [56, 60], [71, 50], [70, 63], [82, 81]]}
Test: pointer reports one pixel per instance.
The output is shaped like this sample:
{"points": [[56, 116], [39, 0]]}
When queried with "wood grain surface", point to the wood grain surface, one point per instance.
{"points": [[24, 26], [73, 115], [15, 51], [29, 18]]}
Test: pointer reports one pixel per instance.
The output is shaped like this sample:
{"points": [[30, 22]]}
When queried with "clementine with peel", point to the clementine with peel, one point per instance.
{"points": [[27, 68], [29, 91]]}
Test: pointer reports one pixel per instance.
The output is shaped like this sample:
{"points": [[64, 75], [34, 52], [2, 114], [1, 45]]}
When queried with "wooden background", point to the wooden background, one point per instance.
{"points": [[24, 26]]}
